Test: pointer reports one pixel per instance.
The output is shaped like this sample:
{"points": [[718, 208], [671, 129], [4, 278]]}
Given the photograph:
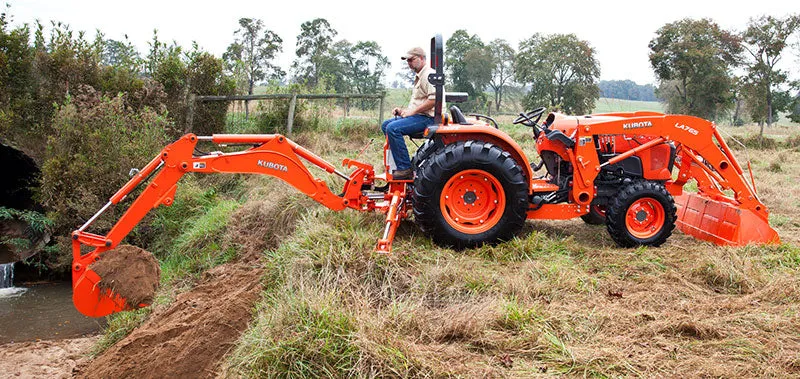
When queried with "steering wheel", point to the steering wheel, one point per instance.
{"points": [[527, 119]]}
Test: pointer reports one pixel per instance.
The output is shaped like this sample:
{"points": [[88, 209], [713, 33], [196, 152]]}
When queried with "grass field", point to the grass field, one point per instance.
{"points": [[559, 299]]}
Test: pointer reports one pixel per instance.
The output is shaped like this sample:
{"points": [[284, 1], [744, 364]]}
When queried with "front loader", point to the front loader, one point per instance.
{"points": [[474, 184]]}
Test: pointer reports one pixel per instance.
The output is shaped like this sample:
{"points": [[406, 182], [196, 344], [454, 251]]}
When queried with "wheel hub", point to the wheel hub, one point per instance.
{"points": [[470, 197]]}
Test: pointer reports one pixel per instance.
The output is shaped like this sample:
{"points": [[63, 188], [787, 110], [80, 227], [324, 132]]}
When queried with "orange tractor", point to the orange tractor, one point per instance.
{"points": [[474, 184]]}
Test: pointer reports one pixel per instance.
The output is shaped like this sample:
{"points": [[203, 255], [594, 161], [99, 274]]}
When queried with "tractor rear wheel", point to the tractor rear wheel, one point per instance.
{"points": [[470, 193], [642, 213]]}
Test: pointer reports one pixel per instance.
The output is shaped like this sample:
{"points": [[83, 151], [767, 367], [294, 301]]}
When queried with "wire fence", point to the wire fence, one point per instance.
{"points": [[279, 112]]}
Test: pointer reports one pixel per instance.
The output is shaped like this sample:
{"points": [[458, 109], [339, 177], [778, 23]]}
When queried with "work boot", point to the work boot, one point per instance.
{"points": [[406, 174]]}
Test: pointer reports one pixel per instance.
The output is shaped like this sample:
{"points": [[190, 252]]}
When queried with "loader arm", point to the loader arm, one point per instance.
{"points": [[703, 155], [272, 154]]}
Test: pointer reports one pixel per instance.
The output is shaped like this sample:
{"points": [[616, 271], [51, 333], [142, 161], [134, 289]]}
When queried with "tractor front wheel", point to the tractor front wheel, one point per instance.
{"points": [[642, 213], [470, 193], [596, 215]]}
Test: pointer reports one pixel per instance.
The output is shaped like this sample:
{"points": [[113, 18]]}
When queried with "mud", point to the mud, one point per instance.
{"points": [[44, 359], [190, 337], [129, 271]]}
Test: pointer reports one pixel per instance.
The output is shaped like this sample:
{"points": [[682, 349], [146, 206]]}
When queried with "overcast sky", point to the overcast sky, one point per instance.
{"points": [[619, 31]]}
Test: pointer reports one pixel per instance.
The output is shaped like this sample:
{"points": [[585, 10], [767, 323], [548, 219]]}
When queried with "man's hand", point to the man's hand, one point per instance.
{"points": [[405, 113], [397, 112]]}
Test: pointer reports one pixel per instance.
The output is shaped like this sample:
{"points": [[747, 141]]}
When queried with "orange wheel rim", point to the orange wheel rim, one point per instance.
{"points": [[645, 218], [472, 201]]}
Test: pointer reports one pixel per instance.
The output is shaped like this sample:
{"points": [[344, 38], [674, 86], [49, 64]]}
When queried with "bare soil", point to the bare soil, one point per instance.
{"points": [[131, 272], [44, 359], [189, 338]]}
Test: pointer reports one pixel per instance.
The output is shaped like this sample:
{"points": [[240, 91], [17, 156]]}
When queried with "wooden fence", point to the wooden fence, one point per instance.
{"points": [[193, 99]]}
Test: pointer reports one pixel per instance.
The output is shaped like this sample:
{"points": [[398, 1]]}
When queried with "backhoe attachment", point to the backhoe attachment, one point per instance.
{"points": [[271, 154]]}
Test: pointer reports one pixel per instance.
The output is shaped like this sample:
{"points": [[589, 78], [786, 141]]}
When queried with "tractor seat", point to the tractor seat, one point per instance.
{"points": [[458, 116], [557, 135]]}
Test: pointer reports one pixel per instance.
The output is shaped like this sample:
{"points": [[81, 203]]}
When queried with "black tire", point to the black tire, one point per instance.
{"points": [[489, 168], [647, 197], [424, 151], [596, 215]]}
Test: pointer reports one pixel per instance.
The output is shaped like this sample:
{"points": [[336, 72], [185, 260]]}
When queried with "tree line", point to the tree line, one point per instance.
{"points": [[627, 90], [702, 70]]}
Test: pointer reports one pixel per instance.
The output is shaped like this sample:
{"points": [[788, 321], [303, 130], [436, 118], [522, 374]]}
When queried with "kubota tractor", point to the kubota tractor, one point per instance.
{"points": [[474, 184]]}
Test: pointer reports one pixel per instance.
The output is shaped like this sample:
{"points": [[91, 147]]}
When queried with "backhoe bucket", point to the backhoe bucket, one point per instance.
{"points": [[88, 296], [107, 281], [721, 222]]}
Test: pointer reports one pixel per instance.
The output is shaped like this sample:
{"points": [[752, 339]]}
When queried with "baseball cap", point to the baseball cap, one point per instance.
{"points": [[415, 51]]}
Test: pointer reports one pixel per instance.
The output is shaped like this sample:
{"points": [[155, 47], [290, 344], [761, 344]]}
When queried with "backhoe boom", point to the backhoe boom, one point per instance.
{"points": [[271, 154]]}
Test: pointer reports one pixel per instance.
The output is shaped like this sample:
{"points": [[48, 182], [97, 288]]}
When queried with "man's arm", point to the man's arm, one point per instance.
{"points": [[421, 109]]}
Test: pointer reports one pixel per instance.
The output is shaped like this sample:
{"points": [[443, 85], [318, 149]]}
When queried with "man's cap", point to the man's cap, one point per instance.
{"points": [[417, 51]]}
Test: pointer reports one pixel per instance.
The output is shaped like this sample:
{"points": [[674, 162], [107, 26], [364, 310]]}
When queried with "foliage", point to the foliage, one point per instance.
{"points": [[37, 225], [795, 115], [308, 115], [764, 41], [314, 60], [16, 81], [627, 90], [251, 53], [562, 71], [193, 73], [38, 222], [95, 141], [361, 68], [692, 59], [502, 68], [469, 66]]}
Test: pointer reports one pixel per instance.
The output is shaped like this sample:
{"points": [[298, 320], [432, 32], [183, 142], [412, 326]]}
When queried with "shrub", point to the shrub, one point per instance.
{"points": [[96, 141]]}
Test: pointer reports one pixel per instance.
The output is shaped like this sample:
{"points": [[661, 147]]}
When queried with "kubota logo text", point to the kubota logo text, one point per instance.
{"points": [[273, 166], [689, 129], [634, 125]]}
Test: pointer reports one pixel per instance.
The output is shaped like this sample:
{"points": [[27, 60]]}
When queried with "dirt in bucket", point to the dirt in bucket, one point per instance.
{"points": [[129, 271]]}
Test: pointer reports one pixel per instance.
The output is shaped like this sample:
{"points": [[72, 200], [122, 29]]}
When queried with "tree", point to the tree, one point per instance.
{"points": [[764, 41], [16, 81], [627, 90], [693, 59], [460, 49], [561, 70], [253, 50], [795, 115], [362, 66], [502, 68], [314, 52]]}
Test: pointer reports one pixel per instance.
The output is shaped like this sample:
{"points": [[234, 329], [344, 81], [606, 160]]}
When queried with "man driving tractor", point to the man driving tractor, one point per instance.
{"points": [[413, 119]]}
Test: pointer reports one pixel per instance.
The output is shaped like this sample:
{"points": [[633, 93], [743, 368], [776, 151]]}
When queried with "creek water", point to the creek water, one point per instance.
{"points": [[42, 312]]}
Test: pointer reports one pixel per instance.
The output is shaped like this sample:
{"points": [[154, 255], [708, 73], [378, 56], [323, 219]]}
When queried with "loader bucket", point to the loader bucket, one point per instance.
{"points": [[721, 222]]}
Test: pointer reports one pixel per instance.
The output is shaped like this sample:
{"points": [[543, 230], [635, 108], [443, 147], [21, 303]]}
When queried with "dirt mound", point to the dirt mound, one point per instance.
{"points": [[189, 338], [129, 271]]}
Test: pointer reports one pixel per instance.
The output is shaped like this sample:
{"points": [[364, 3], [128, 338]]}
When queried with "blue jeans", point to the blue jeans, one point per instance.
{"points": [[396, 128]]}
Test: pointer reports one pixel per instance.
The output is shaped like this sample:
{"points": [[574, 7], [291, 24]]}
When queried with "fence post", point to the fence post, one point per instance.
{"points": [[190, 113], [290, 121], [346, 106], [380, 109]]}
